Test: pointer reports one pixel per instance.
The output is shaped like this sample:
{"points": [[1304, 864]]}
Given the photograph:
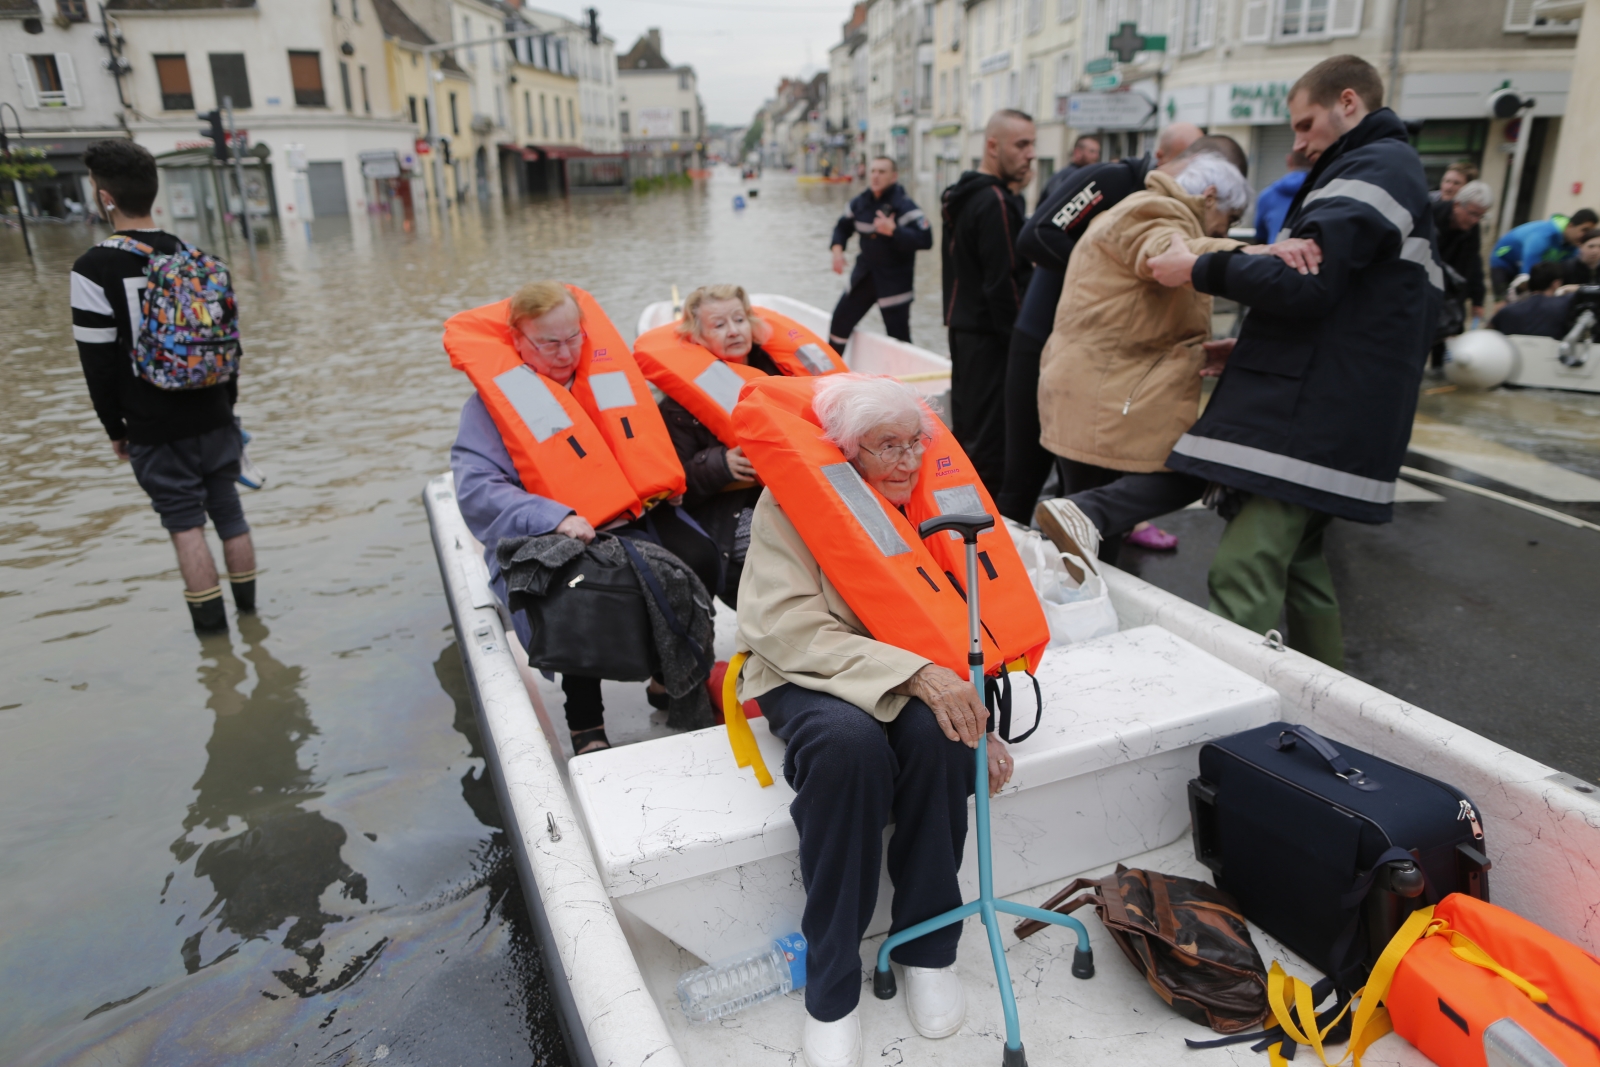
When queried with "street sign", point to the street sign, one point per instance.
{"points": [[1103, 65], [1109, 111], [1101, 83], [422, 146]]}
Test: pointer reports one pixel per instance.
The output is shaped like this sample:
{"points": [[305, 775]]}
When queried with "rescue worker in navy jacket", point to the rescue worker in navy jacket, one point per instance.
{"points": [[893, 230], [1312, 416]]}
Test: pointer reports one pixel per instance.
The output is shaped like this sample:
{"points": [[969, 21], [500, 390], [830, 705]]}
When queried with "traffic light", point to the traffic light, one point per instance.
{"points": [[213, 130]]}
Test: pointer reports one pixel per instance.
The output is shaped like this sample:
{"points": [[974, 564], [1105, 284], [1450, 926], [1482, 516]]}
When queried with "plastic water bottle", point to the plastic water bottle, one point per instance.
{"points": [[734, 984]]}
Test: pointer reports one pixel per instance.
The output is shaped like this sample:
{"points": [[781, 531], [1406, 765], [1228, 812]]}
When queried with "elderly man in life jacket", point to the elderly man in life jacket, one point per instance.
{"points": [[523, 432], [874, 731]]}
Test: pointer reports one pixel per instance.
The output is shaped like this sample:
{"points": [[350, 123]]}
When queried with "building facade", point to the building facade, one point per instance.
{"points": [[594, 64], [946, 140], [309, 88], [659, 114], [64, 96]]}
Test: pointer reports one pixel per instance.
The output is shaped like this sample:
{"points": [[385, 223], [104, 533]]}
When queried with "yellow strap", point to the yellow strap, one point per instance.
{"points": [[1464, 948], [740, 736], [1290, 998]]}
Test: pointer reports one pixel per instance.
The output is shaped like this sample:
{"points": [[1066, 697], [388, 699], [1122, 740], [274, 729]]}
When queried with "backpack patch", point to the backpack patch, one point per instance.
{"points": [[188, 318]]}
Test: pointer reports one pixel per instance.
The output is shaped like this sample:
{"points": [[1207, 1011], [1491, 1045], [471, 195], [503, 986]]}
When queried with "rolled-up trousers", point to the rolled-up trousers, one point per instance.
{"points": [[850, 773]]}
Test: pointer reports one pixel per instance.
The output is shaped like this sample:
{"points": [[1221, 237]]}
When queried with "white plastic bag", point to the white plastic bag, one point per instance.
{"points": [[1076, 611]]}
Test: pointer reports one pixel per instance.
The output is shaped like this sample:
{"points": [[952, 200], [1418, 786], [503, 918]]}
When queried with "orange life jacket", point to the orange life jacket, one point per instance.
{"points": [[906, 592], [601, 448], [708, 387]]}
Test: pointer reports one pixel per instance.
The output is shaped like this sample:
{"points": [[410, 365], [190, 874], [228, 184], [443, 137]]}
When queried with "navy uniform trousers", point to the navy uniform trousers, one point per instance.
{"points": [[850, 773]]}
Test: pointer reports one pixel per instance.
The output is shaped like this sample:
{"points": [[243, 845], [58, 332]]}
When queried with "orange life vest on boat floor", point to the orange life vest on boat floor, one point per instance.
{"points": [[601, 448], [906, 591], [708, 387]]}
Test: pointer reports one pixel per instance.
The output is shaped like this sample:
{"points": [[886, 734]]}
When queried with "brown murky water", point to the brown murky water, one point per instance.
{"points": [[281, 847]]}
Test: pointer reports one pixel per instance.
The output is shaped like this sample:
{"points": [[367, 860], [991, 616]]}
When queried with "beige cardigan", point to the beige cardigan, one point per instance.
{"points": [[1119, 378], [797, 628]]}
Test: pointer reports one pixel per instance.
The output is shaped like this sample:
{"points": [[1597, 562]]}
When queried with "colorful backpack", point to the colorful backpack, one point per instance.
{"points": [[189, 338]]}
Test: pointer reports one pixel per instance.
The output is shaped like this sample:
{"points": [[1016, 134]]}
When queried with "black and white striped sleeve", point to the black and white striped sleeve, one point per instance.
{"points": [[94, 327]]}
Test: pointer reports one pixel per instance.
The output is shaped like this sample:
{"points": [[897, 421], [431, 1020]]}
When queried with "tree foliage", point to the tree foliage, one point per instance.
{"points": [[752, 137], [25, 165]]}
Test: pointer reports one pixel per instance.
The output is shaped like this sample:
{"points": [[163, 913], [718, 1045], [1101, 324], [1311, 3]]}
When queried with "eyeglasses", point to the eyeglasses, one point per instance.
{"points": [[573, 343], [895, 453]]}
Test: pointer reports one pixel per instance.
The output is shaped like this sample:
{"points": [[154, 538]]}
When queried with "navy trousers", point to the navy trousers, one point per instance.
{"points": [[850, 773], [856, 302]]}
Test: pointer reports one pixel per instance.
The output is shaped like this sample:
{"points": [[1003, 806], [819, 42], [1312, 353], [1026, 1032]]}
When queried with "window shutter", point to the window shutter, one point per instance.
{"points": [[1066, 9], [1344, 18], [1519, 16], [1255, 23], [69, 79], [23, 69], [1203, 32]]}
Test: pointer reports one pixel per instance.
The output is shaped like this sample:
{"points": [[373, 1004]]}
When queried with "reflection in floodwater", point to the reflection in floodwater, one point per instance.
{"points": [[277, 867]]}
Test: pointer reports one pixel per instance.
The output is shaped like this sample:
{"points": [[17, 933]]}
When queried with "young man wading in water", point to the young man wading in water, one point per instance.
{"points": [[167, 407]]}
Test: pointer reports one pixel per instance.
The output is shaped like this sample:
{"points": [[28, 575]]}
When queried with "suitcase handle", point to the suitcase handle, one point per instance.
{"points": [[1355, 776]]}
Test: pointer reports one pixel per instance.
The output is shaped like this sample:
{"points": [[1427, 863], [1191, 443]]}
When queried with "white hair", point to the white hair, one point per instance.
{"points": [[849, 406], [1209, 169], [1476, 194]]}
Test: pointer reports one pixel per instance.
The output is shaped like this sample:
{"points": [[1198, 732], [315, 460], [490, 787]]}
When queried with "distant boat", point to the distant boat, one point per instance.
{"points": [[641, 861]]}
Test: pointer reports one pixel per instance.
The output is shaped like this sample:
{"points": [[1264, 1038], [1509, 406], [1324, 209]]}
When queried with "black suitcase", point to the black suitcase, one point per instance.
{"points": [[1330, 850]]}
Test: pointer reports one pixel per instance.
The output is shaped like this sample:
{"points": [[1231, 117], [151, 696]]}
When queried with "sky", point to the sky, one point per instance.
{"points": [[738, 48]]}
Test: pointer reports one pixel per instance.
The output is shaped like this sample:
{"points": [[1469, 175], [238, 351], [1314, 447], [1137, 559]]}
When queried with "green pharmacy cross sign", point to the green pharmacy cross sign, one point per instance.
{"points": [[1127, 42]]}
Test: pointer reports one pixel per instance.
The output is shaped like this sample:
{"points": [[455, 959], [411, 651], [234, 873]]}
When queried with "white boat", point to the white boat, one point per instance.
{"points": [[640, 862]]}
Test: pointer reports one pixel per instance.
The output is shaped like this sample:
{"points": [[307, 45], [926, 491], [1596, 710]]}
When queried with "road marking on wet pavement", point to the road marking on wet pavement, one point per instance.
{"points": [[1460, 447]]}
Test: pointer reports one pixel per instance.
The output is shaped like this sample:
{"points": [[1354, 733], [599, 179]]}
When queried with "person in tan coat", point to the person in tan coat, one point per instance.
{"points": [[1119, 378], [873, 732]]}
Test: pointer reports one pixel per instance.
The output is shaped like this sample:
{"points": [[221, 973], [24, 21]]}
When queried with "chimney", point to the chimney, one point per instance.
{"points": [[653, 35]]}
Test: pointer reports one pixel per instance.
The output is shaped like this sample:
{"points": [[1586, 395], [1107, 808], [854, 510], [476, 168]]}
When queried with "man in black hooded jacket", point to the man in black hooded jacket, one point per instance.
{"points": [[984, 280], [1311, 419]]}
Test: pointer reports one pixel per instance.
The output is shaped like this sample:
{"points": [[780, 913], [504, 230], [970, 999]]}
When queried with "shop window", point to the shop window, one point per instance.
{"points": [[305, 71], [172, 72], [229, 78]]}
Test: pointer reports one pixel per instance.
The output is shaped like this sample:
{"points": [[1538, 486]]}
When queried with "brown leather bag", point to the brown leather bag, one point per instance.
{"points": [[1187, 938]]}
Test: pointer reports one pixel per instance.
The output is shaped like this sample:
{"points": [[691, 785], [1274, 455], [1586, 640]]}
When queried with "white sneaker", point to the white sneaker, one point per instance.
{"points": [[935, 1000], [835, 1044], [1070, 530]]}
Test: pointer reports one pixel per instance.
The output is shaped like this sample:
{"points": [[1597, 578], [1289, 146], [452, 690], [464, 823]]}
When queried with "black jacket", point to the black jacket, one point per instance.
{"points": [[1575, 272], [1316, 403], [1461, 250], [1536, 315], [1073, 199], [984, 275], [890, 260], [128, 406]]}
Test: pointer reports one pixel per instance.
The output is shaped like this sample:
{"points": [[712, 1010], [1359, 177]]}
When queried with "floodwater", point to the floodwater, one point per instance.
{"points": [[281, 847]]}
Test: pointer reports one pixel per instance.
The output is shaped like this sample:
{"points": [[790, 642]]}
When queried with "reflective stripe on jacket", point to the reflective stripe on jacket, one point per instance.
{"points": [[1316, 404]]}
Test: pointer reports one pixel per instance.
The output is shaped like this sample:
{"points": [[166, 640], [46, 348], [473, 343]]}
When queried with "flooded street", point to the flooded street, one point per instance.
{"points": [[280, 847]]}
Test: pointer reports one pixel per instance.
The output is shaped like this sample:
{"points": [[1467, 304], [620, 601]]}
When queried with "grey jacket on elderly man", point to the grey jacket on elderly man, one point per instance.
{"points": [[798, 628]]}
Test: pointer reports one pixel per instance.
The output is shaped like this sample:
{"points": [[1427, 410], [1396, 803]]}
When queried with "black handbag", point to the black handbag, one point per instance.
{"points": [[592, 622], [1327, 850]]}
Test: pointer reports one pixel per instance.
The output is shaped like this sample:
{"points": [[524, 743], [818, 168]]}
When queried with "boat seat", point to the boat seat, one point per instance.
{"points": [[689, 843]]}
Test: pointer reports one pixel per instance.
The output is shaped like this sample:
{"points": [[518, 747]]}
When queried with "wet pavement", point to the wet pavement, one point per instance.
{"points": [[280, 847]]}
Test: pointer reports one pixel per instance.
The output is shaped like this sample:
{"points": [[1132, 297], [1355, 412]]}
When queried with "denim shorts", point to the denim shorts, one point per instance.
{"points": [[193, 477]]}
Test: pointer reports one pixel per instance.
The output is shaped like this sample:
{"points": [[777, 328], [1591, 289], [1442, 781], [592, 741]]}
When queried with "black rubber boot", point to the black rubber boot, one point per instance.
{"points": [[207, 611], [244, 590]]}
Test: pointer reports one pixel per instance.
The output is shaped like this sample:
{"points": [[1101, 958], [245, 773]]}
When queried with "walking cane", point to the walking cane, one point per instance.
{"points": [[987, 905]]}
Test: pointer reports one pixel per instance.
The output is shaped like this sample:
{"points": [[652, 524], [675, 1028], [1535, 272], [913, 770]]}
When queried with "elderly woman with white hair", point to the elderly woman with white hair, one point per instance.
{"points": [[1119, 378], [874, 732]]}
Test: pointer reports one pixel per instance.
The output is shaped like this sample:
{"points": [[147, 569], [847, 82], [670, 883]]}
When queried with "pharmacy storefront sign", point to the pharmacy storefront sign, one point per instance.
{"points": [[1250, 104]]}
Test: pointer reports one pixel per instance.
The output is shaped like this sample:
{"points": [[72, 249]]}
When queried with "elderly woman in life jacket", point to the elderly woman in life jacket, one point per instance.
{"points": [[722, 484], [874, 732], [548, 333]]}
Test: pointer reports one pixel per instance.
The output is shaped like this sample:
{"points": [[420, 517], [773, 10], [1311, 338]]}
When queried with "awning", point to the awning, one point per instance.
{"points": [[555, 151]]}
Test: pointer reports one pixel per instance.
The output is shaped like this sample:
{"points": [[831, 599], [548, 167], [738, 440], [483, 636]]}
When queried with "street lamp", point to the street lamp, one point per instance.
{"points": [[22, 199]]}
